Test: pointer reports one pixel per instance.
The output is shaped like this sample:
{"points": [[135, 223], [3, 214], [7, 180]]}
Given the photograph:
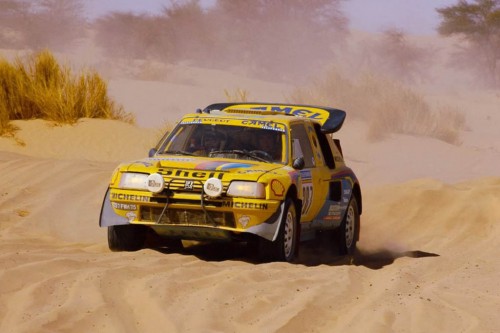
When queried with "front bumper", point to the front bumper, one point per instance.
{"points": [[192, 216]]}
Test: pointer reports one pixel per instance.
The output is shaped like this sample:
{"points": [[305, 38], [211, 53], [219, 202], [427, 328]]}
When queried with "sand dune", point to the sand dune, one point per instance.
{"points": [[427, 258]]}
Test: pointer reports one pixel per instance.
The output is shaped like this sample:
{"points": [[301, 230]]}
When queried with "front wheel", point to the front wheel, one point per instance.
{"points": [[127, 237], [283, 247], [347, 232]]}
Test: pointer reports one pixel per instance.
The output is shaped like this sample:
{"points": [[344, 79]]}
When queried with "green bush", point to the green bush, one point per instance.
{"points": [[43, 89]]}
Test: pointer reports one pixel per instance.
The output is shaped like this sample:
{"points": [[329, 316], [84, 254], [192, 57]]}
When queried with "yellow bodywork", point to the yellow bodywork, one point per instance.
{"points": [[183, 209]]}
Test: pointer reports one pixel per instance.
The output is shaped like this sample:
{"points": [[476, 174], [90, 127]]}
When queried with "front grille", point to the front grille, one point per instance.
{"points": [[176, 216], [181, 185], [187, 185]]}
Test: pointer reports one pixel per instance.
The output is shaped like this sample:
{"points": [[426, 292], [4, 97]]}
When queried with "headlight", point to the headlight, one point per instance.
{"points": [[246, 189], [135, 181]]}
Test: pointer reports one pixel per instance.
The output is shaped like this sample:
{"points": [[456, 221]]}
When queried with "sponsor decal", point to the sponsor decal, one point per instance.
{"points": [[131, 216], [190, 174], [265, 124], [211, 165], [301, 111], [333, 213], [245, 205], [191, 121], [307, 197], [334, 210], [244, 220], [331, 218], [188, 185], [129, 197], [277, 187], [175, 159], [229, 166], [123, 206], [207, 120], [215, 120], [251, 171], [155, 184], [294, 176], [213, 187], [306, 175]]}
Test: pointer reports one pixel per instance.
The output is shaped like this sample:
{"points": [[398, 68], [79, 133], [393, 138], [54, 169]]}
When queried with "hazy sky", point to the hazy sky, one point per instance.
{"points": [[412, 16]]}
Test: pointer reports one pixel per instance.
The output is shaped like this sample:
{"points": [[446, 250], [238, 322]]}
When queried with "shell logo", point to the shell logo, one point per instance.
{"points": [[277, 188]]}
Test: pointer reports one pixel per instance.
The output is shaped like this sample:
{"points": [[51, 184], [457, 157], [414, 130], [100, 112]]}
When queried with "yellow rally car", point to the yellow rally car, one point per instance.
{"points": [[265, 174]]}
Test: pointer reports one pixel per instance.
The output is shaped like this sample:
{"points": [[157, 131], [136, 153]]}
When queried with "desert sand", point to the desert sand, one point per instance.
{"points": [[427, 259]]}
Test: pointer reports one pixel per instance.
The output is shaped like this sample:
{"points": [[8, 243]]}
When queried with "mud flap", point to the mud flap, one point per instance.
{"points": [[108, 216], [269, 228]]}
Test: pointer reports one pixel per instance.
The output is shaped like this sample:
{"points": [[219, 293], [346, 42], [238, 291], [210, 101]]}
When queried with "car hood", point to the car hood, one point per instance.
{"points": [[202, 167]]}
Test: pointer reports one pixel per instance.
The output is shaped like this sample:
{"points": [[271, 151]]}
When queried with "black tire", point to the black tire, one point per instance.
{"points": [[347, 234], [284, 247], [126, 237]]}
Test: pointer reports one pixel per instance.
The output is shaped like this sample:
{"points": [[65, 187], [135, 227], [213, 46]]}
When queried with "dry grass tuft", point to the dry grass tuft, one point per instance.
{"points": [[43, 89], [239, 95], [388, 106], [22, 212], [167, 127]]}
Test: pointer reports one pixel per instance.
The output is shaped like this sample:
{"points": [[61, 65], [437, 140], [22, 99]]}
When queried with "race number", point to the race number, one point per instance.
{"points": [[307, 190]]}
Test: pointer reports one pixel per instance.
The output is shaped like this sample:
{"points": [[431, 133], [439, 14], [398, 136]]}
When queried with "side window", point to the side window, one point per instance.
{"points": [[301, 145], [325, 147], [180, 138]]}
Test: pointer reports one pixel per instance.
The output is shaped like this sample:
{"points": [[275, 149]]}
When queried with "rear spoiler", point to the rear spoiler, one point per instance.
{"points": [[331, 119]]}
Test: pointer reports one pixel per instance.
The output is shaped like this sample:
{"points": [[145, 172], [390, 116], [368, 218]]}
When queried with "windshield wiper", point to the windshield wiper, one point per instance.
{"points": [[178, 152], [240, 152]]}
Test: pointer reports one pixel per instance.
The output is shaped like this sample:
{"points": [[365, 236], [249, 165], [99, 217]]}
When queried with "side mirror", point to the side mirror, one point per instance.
{"points": [[152, 152], [298, 163]]}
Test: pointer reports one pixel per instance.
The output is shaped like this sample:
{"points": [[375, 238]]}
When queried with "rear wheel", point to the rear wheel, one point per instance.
{"points": [[347, 232], [126, 237], [283, 248]]}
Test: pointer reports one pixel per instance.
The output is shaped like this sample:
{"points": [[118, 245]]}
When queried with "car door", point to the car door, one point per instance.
{"points": [[315, 175]]}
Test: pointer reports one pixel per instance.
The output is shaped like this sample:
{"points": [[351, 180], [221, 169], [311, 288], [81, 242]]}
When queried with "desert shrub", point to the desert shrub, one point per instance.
{"points": [[14, 86], [272, 39], [388, 106], [179, 33], [165, 128], [5, 126], [278, 39], [42, 88], [239, 95], [38, 24], [478, 24], [131, 36], [187, 30], [395, 56]]}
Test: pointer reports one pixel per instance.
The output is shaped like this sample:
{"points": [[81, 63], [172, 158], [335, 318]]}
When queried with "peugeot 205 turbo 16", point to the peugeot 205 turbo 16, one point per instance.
{"points": [[269, 175]]}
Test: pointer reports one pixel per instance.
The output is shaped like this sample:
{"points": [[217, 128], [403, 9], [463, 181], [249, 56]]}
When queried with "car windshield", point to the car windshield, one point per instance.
{"points": [[228, 141]]}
